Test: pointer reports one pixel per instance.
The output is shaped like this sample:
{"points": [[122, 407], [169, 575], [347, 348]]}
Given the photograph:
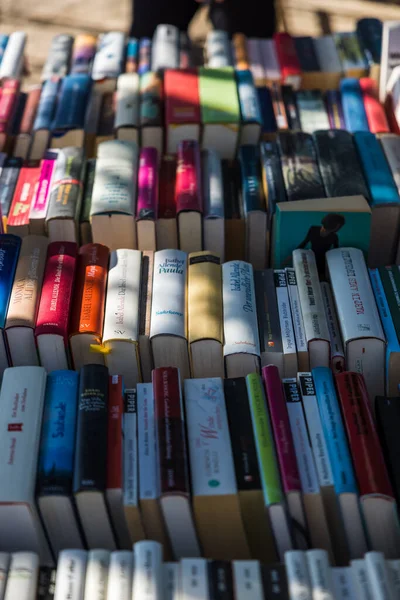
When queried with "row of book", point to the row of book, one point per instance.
{"points": [[142, 573], [226, 469]]}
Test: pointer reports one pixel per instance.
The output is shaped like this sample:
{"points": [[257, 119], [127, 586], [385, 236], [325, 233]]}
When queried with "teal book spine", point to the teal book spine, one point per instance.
{"points": [[354, 114], [253, 197]]}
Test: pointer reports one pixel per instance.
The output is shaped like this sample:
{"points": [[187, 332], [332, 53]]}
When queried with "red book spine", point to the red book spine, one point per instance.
{"points": [[166, 200], [188, 193], [287, 56], [375, 112], [366, 450], [56, 297], [182, 101], [171, 442], [24, 195], [281, 428], [8, 103], [30, 110], [114, 432]]}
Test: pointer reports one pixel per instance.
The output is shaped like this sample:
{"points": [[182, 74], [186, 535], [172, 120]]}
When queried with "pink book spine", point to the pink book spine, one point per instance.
{"points": [[41, 201], [147, 202], [281, 428], [8, 99], [188, 193]]}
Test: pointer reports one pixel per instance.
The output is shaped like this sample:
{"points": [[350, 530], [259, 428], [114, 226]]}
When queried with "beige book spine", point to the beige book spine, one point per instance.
{"points": [[205, 312]]}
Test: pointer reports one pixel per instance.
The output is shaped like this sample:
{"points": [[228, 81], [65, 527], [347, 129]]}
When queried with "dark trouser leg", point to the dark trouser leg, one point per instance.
{"points": [[147, 14]]}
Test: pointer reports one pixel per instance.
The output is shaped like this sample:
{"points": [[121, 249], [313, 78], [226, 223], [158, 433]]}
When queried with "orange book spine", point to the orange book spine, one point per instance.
{"points": [[239, 45]]}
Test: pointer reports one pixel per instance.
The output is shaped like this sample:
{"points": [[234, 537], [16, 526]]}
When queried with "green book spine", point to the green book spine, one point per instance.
{"points": [[264, 441], [390, 277]]}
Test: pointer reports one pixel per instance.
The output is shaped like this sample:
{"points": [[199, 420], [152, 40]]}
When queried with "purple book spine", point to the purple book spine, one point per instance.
{"points": [[334, 108], [147, 204]]}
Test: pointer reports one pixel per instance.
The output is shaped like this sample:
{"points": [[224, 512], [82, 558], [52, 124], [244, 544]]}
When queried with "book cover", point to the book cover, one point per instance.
{"points": [[295, 308], [57, 441], [147, 197], [374, 110], [188, 190], [8, 181], [274, 580], [24, 195], [12, 61], [272, 178], [287, 58], [182, 101], [71, 572], [212, 185], [369, 32], [267, 312], [255, 60], [71, 106], [285, 319], [67, 184], [350, 54], [40, 201], [219, 102], [58, 57], [268, 119], [127, 101], [205, 320], [165, 47], [131, 55], [247, 579], [8, 104], [149, 485], [10, 246], [115, 409], [354, 114], [97, 573], [151, 99], [333, 101], [108, 60], [47, 105], [312, 110], [120, 574], [130, 459], [249, 160], [83, 52], [248, 98]]}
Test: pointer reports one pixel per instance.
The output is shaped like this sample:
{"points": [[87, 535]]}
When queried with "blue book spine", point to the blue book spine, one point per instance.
{"points": [[354, 114], [248, 98], [57, 442], [249, 159], [144, 56], [73, 99], [369, 33], [335, 110], [334, 432], [268, 120], [377, 173], [132, 49], [47, 105], [9, 250], [393, 344], [3, 44]]}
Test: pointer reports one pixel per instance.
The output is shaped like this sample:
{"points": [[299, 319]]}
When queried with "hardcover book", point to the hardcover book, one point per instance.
{"points": [[189, 196], [355, 117], [58, 57], [40, 200], [312, 111], [166, 226], [147, 199], [269, 326], [127, 107], [151, 111], [214, 209], [23, 199], [250, 111], [182, 107], [9, 251], [350, 54], [288, 60], [329, 62], [69, 119]]}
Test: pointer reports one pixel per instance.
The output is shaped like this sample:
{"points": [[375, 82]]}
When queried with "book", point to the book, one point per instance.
{"points": [[46, 583], [149, 481], [116, 427], [108, 60], [147, 556], [173, 473], [343, 584], [171, 577], [320, 225], [144, 56], [309, 64], [65, 196], [312, 111], [369, 32], [146, 296], [299, 165], [292, 113], [269, 326], [12, 61], [376, 495], [165, 48], [23, 576], [361, 584], [168, 325], [249, 487], [58, 57], [255, 61], [320, 573], [350, 54], [387, 419], [217, 49], [147, 199], [185, 51], [247, 581], [278, 107], [105, 122], [220, 110], [337, 351], [194, 579], [5, 559], [339, 164], [272, 179], [250, 110], [363, 337], [24, 301], [127, 107], [389, 55], [389, 143], [9, 251], [354, 541], [235, 226], [41, 128], [151, 111], [297, 319], [182, 107], [69, 119], [329, 62], [312, 308], [240, 53], [56, 462], [290, 362], [316, 516], [268, 465], [52, 321], [97, 573], [85, 230], [9, 98], [121, 316], [130, 468], [83, 52], [269, 125], [378, 575], [23, 199], [270, 60], [334, 108], [71, 573], [87, 312], [120, 575], [90, 462], [40, 201], [355, 117], [393, 566], [275, 581], [8, 181], [376, 115], [220, 579], [285, 453], [214, 209], [3, 44], [287, 59], [298, 575], [205, 320], [21, 407], [253, 206], [166, 225], [112, 211], [216, 503], [242, 345], [188, 196]]}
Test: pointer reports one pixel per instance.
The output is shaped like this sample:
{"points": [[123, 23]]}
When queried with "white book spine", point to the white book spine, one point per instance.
{"points": [[108, 59], [255, 59], [127, 101], [301, 441], [343, 584], [357, 311], [320, 575], [312, 306], [337, 352], [314, 425], [247, 581], [130, 456], [71, 573], [97, 575], [379, 577], [361, 581], [297, 317], [208, 436], [121, 319], [213, 191], [22, 576], [285, 315], [394, 573], [13, 57], [390, 53], [168, 310], [165, 48], [171, 581], [147, 573], [194, 579], [298, 575], [148, 481], [4, 566], [120, 575], [218, 49]]}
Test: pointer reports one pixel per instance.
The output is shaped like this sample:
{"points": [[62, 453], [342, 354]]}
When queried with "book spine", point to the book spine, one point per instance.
{"points": [[240, 55], [393, 566], [127, 101], [166, 203], [147, 575], [390, 279], [354, 114], [13, 57], [188, 193], [320, 574], [22, 576], [25, 191], [171, 576], [9, 251], [147, 201], [120, 576], [151, 105], [213, 192], [40, 202], [67, 184], [251, 185], [374, 110], [267, 312], [130, 450], [97, 573], [114, 433], [279, 107], [337, 352], [369, 32], [297, 316], [8, 103], [194, 578], [256, 66], [83, 52], [378, 575], [289, 100], [343, 584], [312, 111], [287, 58], [248, 97], [220, 580], [335, 109], [298, 575], [285, 317], [148, 481], [8, 181], [247, 581], [362, 587], [5, 558], [132, 54], [270, 60], [58, 58], [46, 106]]}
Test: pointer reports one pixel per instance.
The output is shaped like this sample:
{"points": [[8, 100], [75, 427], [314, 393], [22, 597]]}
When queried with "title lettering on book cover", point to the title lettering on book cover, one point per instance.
{"points": [[121, 296], [57, 280], [240, 278], [25, 287]]}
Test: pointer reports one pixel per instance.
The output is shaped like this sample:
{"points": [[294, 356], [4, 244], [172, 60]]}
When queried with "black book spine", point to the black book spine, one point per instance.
{"points": [[267, 311], [274, 581], [232, 190], [220, 580], [90, 471], [46, 583], [8, 181], [289, 100], [388, 424]]}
